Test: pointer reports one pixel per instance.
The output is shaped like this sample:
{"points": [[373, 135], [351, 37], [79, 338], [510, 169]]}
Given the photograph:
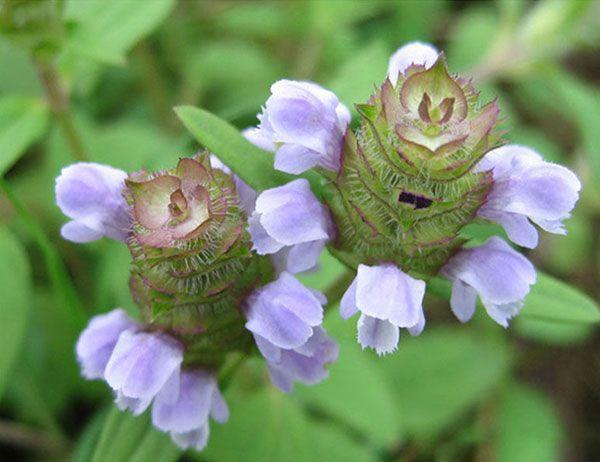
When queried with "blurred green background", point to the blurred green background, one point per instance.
{"points": [[98, 80]]}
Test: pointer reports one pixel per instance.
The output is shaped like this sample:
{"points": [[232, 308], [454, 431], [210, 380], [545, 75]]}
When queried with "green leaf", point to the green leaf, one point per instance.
{"points": [[553, 300], [264, 426], [22, 122], [440, 375], [250, 163], [552, 332], [267, 425], [126, 438], [105, 30], [329, 443], [18, 73], [15, 287], [527, 427], [356, 392]]}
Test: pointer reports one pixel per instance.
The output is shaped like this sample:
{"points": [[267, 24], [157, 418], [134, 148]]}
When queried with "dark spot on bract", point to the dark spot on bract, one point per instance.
{"points": [[417, 201]]}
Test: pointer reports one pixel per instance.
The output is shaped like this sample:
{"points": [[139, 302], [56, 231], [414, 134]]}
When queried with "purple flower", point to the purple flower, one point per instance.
{"points": [[285, 318], [497, 273], [91, 195], [527, 188], [246, 193], [304, 124], [140, 365], [183, 406], [290, 222], [417, 53], [304, 364], [388, 299], [97, 342]]}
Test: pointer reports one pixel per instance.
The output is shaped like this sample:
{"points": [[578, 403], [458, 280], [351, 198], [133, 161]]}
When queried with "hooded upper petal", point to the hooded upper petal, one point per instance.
{"points": [[291, 220], [528, 188], [92, 196], [284, 312], [97, 341], [411, 53], [304, 124], [497, 273]]}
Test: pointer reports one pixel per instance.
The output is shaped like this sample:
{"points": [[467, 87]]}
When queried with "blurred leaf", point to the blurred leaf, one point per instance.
{"points": [[22, 122], [570, 98], [330, 444], [553, 300], [528, 428], [551, 26], [341, 13], [537, 140], [355, 81], [18, 74], [250, 163], [255, 19], [438, 376], [559, 253], [126, 438], [415, 20], [264, 426], [356, 393], [472, 37], [15, 287], [105, 30], [236, 74], [85, 446], [268, 426], [552, 332]]}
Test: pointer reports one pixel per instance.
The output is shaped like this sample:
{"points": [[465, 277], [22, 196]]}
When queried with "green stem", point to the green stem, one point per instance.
{"points": [[58, 100], [155, 86], [16, 434], [57, 272], [229, 372]]}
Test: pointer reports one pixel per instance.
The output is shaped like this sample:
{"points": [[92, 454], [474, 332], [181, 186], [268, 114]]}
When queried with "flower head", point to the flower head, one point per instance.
{"points": [[92, 196], [388, 299], [497, 273], [527, 189], [292, 224], [304, 124]]}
